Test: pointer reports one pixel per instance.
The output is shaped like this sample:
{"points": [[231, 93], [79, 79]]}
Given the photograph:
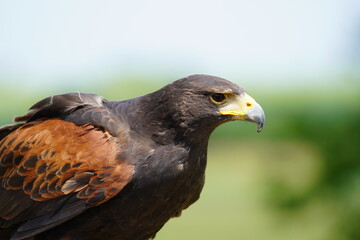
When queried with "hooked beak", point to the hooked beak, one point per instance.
{"points": [[244, 108], [256, 115]]}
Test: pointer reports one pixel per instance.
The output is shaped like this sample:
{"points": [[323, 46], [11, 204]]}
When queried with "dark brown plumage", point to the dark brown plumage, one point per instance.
{"points": [[82, 167]]}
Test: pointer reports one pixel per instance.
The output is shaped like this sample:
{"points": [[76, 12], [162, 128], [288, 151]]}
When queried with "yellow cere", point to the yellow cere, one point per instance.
{"points": [[237, 106]]}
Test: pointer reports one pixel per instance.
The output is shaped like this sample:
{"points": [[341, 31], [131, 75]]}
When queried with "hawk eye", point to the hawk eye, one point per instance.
{"points": [[218, 97]]}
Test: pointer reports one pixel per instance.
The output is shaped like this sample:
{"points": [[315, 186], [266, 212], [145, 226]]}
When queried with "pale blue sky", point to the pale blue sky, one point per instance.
{"points": [[278, 42]]}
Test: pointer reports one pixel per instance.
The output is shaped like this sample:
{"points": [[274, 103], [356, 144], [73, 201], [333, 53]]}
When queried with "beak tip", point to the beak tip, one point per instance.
{"points": [[260, 127]]}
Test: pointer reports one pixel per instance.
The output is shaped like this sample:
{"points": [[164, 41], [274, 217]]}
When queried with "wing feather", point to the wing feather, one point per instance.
{"points": [[66, 156], [53, 160]]}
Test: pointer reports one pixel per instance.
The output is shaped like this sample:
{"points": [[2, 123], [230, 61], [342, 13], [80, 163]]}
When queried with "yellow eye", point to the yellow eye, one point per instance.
{"points": [[218, 98]]}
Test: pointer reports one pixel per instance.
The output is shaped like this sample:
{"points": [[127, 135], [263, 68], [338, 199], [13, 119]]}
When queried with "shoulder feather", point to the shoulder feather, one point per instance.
{"points": [[57, 105]]}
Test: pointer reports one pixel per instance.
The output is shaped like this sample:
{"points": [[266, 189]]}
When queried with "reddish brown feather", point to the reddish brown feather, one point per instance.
{"points": [[53, 158]]}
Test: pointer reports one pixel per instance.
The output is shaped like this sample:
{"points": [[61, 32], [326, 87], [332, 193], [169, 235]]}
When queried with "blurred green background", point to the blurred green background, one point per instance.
{"points": [[298, 179]]}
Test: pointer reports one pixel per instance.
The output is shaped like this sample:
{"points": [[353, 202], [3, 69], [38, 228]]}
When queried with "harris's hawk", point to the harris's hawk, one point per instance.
{"points": [[78, 166]]}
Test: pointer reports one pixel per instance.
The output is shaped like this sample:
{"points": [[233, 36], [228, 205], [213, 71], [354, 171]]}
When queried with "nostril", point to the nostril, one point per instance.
{"points": [[248, 104]]}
